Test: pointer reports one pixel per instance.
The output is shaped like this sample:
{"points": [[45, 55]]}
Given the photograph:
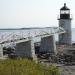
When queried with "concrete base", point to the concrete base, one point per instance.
{"points": [[25, 49], [48, 44], [1, 51]]}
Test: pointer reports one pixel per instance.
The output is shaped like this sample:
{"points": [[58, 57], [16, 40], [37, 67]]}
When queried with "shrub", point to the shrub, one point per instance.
{"points": [[25, 67]]}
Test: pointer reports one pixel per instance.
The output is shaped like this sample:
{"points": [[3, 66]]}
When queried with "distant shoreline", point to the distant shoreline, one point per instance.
{"points": [[23, 28]]}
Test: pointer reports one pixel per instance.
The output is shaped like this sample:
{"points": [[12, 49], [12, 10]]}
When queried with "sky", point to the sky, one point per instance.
{"points": [[32, 13]]}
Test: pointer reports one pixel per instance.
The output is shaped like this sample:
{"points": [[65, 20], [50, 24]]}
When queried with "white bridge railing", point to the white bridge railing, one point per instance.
{"points": [[13, 36]]}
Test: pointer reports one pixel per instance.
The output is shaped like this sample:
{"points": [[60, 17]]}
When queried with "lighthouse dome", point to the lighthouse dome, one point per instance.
{"points": [[64, 7]]}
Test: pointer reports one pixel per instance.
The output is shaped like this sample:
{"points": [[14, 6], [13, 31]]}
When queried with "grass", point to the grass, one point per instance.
{"points": [[25, 67]]}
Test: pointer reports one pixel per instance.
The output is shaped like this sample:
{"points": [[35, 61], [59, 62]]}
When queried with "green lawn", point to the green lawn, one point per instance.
{"points": [[25, 67]]}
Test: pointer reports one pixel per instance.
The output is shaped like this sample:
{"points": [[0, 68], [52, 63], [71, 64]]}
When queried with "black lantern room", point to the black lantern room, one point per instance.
{"points": [[64, 12]]}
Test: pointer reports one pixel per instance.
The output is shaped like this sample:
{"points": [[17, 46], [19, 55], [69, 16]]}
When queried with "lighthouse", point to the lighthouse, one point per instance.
{"points": [[65, 22]]}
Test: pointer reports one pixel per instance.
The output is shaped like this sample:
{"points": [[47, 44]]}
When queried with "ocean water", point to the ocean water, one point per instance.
{"points": [[28, 32]]}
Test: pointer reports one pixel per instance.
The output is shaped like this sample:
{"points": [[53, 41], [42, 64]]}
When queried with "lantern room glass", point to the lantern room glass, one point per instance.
{"points": [[65, 12]]}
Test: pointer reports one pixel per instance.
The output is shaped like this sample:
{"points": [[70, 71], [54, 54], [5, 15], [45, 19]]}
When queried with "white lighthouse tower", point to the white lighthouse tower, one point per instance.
{"points": [[65, 22]]}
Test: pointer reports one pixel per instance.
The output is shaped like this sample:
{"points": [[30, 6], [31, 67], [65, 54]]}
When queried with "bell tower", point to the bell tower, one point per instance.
{"points": [[65, 22]]}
